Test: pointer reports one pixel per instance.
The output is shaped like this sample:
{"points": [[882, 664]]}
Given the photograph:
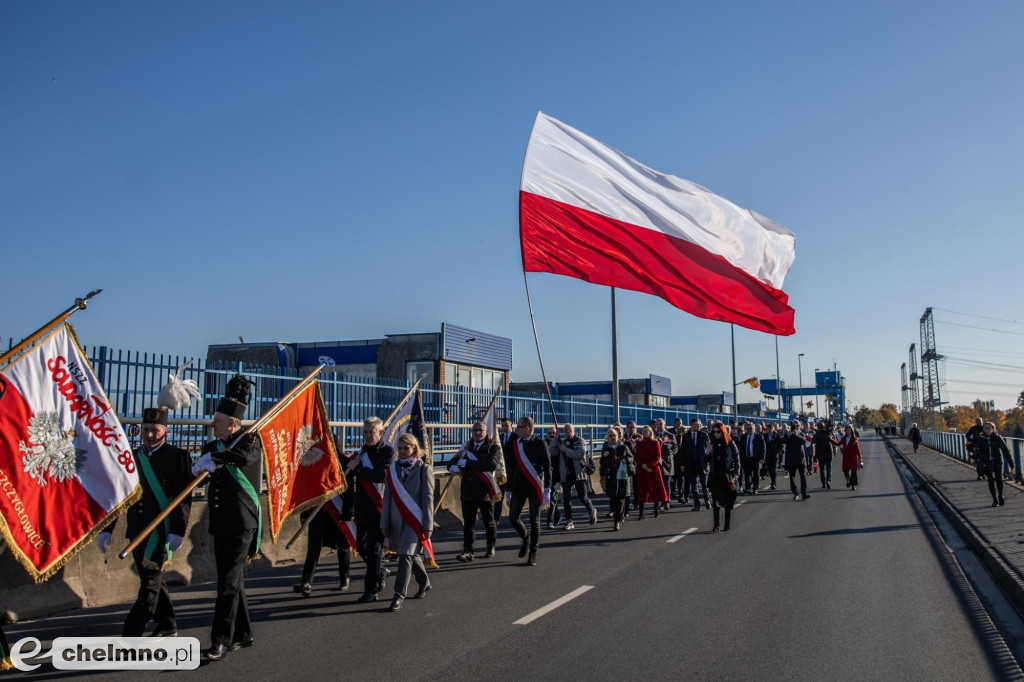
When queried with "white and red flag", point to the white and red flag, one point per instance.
{"points": [[590, 212], [66, 466]]}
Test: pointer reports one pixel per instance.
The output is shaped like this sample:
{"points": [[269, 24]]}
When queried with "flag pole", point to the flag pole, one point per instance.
{"points": [[316, 510], [80, 304], [615, 364], [735, 401], [253, 428], [778, 377]]}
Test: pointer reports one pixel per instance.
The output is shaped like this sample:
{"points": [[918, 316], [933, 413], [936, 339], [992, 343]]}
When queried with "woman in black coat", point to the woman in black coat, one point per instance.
{"points": [[989, 450], [723, 458], [617, 466]]}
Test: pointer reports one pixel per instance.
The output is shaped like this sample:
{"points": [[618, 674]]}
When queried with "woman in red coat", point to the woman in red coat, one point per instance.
{"points": [[650, 486], [851, 456]]}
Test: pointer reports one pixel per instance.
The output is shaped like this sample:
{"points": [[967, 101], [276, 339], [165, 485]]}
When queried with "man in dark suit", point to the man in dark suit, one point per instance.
{"points": [[370, 468], [233, 460], [477, 463], [753, 449], [506, 439], [163, 474], [695, 463], [531, 484]]}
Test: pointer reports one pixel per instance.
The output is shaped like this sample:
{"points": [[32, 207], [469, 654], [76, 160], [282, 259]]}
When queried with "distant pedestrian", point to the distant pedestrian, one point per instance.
{"points": [[650, 483], [972, 439], [824, 451], [851, 457], [915, 436], [617, 466], [723, 456], [754, 452], [574, 474], [554, 514], [989, 451], [774, 449], [794, 460]]}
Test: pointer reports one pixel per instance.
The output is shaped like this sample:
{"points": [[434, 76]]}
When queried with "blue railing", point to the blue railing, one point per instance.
{"points": [[955, 445]]}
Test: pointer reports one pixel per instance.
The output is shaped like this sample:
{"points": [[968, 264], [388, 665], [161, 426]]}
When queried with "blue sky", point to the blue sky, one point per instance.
{"points": [[298, 171]]}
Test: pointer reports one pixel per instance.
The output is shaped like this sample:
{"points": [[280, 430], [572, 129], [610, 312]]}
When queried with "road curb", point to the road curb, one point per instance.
{"points": [[1006, 576]]}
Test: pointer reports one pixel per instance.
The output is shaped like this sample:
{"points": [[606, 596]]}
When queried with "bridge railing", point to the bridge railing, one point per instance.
{"points": [[954, 444]]}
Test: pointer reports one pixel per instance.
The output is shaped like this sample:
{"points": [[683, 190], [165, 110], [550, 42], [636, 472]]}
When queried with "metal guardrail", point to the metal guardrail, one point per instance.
{"points": [[955, 445]]}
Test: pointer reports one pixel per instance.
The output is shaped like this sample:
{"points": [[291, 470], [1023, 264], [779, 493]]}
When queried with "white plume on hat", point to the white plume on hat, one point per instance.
{"points": [[177, 392]]}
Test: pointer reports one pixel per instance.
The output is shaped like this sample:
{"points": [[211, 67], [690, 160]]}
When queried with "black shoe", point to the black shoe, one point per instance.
{"points": [[995, 503], [707, 505], [725, 529], [696, 507], [242, 643], [215, 652], [367, 598], [754, 491], [304, 589], [853, 487], [342, 586], [807, 496], [525, 546], [490, 553], [772, 487], [618, 525], [422, 591], [532, 560], [396, 604], [640, 516], [829, 486], [169, 632], [465, 557], [1001, 501], [715, 529]]}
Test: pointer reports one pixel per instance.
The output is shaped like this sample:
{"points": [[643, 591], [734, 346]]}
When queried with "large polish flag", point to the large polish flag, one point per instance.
{"points": [[591, 212]]}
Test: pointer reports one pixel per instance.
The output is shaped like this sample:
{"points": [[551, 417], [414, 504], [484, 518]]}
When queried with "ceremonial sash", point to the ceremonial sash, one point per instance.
{"points": [[526, 466], [411, 512], [244, 484], [486, 476], [347, 528], [368, 487], [154, 538]]}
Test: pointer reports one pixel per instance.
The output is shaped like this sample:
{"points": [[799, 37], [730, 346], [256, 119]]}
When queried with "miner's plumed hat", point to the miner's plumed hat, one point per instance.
{"points": [[236, 397], [155, 415]]}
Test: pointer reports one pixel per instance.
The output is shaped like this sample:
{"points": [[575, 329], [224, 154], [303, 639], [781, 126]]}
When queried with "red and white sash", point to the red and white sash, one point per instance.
{"points": [[370, 488], [347, 528], [411, 512], [486, 476], [527, 467]]}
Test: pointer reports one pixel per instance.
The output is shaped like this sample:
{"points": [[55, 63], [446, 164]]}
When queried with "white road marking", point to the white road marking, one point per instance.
{"points": [[526, 620], [738, 503], [681, 535]]}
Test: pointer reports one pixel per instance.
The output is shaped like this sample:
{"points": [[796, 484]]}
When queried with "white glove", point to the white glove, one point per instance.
{"points": [[174, 541], [453, 469], [547, 497], [104, 542], [204, 463], [462, 463]]}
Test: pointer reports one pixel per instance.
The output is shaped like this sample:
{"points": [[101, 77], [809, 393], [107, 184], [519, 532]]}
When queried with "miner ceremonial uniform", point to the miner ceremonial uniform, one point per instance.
{"points": [[163, 473], [235, 520]]}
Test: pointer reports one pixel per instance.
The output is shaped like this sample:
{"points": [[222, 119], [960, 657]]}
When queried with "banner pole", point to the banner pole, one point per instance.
{"points": [[305, 522], [615, 363], [80, 304]]}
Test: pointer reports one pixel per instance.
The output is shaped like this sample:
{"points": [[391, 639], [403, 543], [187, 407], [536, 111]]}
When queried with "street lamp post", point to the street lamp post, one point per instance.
{"points": [[800, 370]]}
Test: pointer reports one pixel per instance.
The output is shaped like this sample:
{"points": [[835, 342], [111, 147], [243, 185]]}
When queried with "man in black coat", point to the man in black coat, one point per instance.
{"points": [[477, 463], [694, 462], [531, 483], [794, 460], [971, 442], [163, 474], [752, 452], [370, 468], [233, 460]]}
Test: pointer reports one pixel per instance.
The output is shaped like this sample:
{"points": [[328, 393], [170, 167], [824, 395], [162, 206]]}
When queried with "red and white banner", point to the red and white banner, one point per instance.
{"points": [[409, 509], [526, 466], [590, 212], [347, 528], [299, 457], [66, 466]]}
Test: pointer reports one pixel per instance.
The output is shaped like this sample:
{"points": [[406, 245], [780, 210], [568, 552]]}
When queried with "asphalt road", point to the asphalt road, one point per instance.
{"points": [[844, 586]]}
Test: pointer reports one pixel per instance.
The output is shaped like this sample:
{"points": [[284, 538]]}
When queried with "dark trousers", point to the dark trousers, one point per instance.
{"points": [[772, 466], [581, 492], [554, 515], [697, 481], [825, 469], [315, 543], [851, 476], [469, 512], [995, 482], [369, 542], [728, 514], [792, 479], [153, 602], [751, 472], [515, 511], [497, 505], [618, 505], [231, 611]]}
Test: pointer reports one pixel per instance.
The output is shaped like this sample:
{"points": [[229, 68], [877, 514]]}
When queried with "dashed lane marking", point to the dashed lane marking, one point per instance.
{"points": [[529, 618], [681, 535]]}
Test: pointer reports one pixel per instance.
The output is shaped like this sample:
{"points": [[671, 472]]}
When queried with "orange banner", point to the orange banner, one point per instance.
{"points": [[299, 457]]}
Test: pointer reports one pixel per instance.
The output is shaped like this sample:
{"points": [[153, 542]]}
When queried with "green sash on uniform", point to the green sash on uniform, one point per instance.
{"points": [[245, 485], [158, 492]]}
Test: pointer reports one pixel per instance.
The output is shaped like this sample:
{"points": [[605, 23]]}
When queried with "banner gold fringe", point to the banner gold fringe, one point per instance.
{"points": [[6, 665]]}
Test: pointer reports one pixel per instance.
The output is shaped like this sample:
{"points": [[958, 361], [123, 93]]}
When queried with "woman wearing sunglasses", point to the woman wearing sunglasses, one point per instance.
{"points": [[723, 458]]}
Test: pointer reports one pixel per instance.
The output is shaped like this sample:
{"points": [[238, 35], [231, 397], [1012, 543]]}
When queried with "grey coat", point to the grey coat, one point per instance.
{"points": [[570, 462], [419, 483]]}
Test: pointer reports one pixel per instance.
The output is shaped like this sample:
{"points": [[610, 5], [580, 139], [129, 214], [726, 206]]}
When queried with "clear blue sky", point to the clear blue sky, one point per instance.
{"points": [[302, 171]]}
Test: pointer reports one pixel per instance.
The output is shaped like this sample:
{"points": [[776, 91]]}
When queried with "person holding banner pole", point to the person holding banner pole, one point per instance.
{"points": [[477, 463], [531, 484], [370, 469], [407, 519]]}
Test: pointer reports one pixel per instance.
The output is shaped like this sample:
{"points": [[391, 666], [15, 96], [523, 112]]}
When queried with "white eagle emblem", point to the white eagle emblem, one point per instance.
{"points": [[50, 452], [304, 446]]}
